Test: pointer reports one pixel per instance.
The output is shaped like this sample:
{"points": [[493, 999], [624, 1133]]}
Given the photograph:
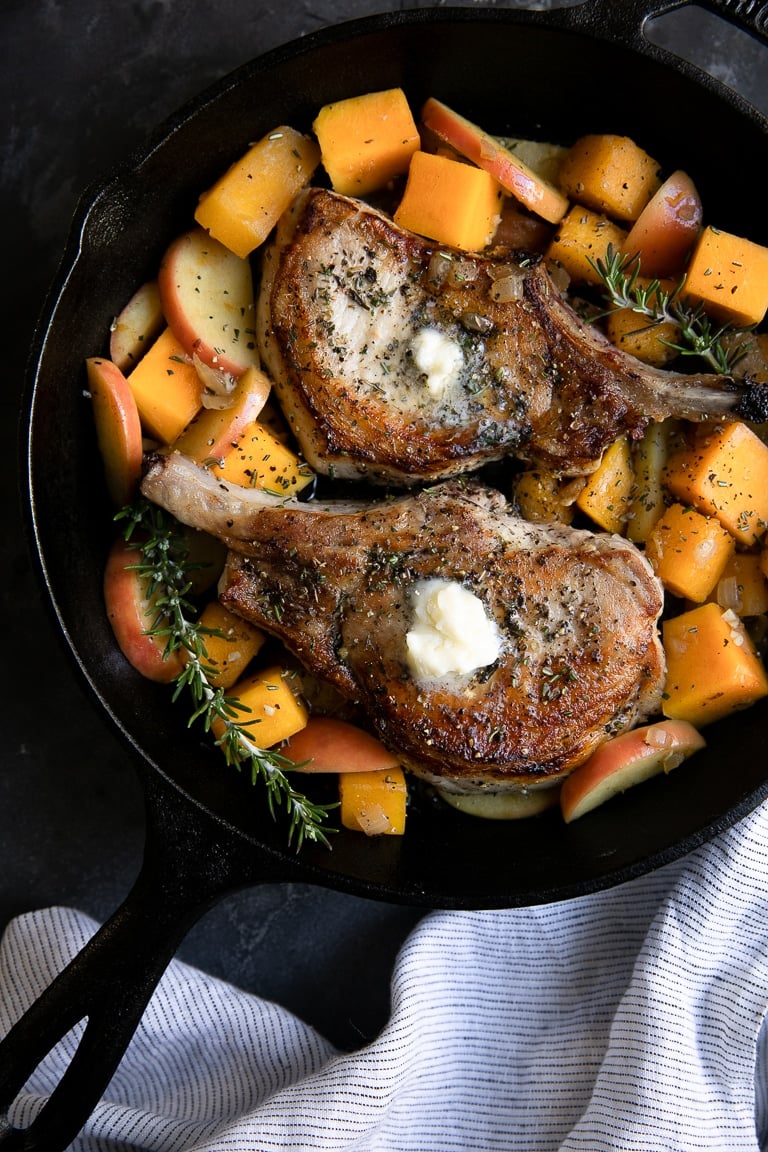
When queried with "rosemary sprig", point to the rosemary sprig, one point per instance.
{"points": [[165, 565], [621, 278]]}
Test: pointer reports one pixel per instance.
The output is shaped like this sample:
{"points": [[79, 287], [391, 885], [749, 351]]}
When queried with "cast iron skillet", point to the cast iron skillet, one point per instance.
{"points": [[551, 75]]}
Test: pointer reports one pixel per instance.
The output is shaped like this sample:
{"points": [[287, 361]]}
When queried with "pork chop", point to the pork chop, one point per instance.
{"points": [[549, 642], [403, 362]]}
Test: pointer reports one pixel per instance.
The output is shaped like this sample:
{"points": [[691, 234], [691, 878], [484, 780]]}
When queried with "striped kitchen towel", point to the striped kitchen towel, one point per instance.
{"points": [[629, 1020]]}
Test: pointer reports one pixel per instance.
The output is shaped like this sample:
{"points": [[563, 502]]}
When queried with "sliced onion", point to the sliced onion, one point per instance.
{"points": [[474, 322], [438, 268], [729, 594], [738, 635], [219, 385], [507, 289], [559, 277], [211, 400], [462, 272], [658, 737]]}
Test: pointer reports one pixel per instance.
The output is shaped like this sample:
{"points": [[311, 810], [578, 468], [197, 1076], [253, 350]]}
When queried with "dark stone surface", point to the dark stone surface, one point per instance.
{"points": [[81, 84]]}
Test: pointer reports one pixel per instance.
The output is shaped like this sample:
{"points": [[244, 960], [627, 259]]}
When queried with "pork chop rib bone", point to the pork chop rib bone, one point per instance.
{"points": [[345, 300]]}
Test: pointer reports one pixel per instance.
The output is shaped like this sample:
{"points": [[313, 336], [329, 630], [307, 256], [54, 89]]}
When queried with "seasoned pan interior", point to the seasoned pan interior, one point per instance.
{"points": [[516, 75]]}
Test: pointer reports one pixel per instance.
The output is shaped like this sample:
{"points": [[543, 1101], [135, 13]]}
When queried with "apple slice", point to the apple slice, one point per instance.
{"points": [[136, 326], [502, 805], [543, 157], [211, 434], [627, 760], [488, 153], [131, 613], [330, 745], [118, 428], [207, 297], [666, 230]]}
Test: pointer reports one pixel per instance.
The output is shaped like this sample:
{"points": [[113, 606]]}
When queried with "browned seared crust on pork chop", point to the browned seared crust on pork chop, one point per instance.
{"points": [[345, 300], [576, 615]]}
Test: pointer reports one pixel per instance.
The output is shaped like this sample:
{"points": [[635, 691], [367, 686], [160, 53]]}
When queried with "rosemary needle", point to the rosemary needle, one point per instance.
{"points": [[621, 279], [166, 567]]}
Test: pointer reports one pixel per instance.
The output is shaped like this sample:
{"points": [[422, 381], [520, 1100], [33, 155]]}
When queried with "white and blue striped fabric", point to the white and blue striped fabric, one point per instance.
{"points": [[629, 1021]]}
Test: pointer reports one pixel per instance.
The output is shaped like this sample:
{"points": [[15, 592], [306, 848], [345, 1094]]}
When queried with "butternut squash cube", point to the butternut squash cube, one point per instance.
{"points": [[243, 206], [258, 460], [539, 497], [581, 239], [607, 495], [449, 201], [688, 552], [729, 275], [723, 472], [374, 802], [712, 667], [366, 141], [272, 709], [228, 654], [743, 586], [633, 333], [167, 388], [610, 174]]}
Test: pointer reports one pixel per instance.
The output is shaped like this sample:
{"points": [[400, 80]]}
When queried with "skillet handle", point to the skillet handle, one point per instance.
{"points": [[190, 862], [752, 18], [624, 22]]}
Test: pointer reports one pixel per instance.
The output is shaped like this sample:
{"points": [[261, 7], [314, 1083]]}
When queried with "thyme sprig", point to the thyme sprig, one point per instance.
{"points": [[165, 565], [621, 279]]}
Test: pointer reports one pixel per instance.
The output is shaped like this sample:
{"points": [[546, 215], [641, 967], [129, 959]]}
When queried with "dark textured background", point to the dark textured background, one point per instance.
{"points": [[81, 84]]}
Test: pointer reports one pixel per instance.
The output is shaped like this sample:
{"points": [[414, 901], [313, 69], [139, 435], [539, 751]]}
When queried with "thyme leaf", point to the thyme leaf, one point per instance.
{"points": [[163, 561], [621, 279]]}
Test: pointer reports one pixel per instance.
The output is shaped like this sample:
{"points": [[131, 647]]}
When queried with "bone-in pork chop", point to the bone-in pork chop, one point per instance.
{"points": [[550, 631], [401, 362]]}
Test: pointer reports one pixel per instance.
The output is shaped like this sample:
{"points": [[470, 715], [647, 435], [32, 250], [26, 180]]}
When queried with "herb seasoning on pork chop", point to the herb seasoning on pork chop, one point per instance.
{"points": [[402, 362], [578, 655]]}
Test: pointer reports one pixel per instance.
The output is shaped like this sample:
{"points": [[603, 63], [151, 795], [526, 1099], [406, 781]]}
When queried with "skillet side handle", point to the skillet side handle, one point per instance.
{"points": [[189, 864], [752, 18], [623, 23]]}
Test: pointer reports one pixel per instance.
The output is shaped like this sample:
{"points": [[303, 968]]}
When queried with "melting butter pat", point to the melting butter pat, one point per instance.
{"points": [[451, 633], [438, 357]]}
